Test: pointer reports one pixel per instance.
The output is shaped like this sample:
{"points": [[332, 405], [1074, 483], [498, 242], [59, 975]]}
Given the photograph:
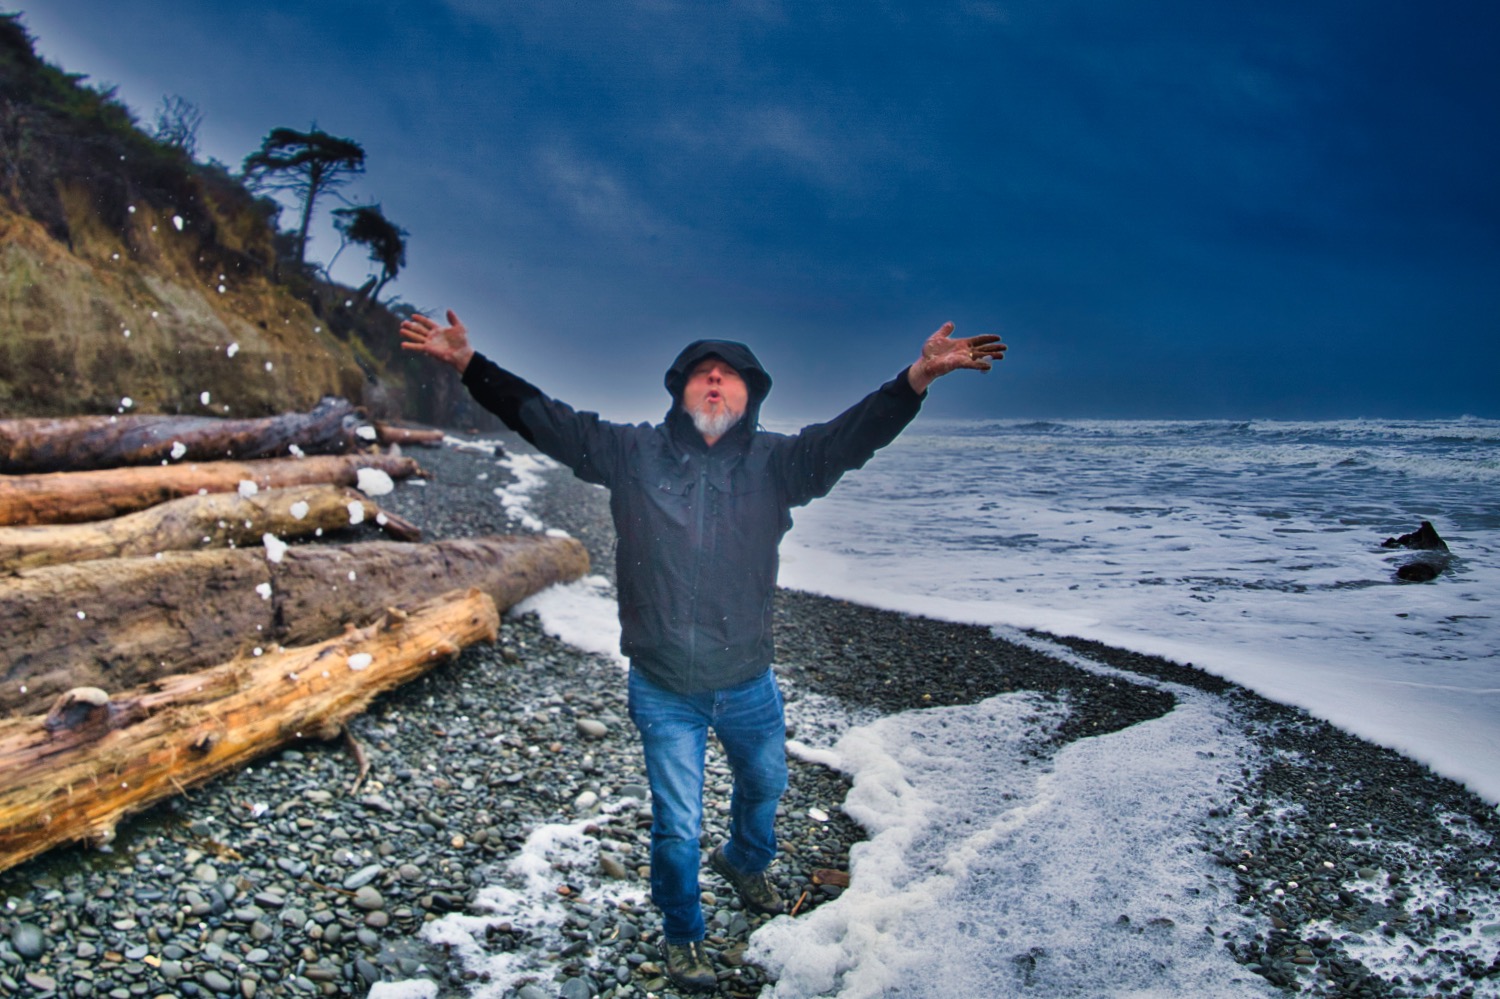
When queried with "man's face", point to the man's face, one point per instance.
{"points": [[715, 396]]}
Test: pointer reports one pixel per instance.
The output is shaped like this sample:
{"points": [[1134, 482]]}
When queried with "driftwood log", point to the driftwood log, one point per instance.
{"points": [[217, 520], [75, 772], [75, 497], [117, 623], [387, 433], [89, 442]]}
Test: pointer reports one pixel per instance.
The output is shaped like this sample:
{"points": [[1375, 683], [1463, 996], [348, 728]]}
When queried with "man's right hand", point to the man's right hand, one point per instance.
{"points": [[449, 344], [942, 355]]}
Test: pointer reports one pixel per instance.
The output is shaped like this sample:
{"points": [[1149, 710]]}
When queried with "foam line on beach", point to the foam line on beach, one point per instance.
{"points": [[581, 613], [552, 854], [997, 871], [1446, 720]]}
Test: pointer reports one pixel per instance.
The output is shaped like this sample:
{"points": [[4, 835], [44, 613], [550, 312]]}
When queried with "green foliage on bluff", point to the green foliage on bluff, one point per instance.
{"points": [[127, 269], [52, 129]]}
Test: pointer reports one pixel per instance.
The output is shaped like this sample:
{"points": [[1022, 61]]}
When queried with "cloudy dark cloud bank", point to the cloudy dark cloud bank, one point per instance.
{"points": [[1276, 209]]}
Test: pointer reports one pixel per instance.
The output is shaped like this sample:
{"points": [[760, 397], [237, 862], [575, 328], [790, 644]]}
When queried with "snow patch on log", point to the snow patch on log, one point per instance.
{"points": [[373, 482]]}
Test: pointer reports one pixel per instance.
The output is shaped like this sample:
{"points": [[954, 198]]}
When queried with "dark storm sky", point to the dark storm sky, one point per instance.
{"points": [[1238, 210]]}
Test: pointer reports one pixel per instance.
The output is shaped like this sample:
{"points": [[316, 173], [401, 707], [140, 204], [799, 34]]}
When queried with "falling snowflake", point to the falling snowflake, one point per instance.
{"points": [[275, 547]]}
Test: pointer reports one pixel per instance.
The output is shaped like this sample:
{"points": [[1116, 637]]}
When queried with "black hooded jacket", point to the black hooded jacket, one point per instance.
{"points": [[698, 526]]}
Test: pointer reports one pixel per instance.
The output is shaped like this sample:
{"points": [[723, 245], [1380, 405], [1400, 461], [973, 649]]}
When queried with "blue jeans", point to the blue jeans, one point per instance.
{"points": [[751, 726]]}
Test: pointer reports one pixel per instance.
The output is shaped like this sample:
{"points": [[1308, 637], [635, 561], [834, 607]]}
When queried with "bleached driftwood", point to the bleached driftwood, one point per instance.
{"points": [[75, 772], [387, 433], [117, 623], [217, 520], [75, 497], [86, 442]]}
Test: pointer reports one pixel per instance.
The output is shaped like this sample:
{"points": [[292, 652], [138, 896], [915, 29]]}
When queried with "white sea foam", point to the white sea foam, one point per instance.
{"points": [[529, 471], [552, 855], [988, 874], [415, 989], [581, 613], [1252, 550]]}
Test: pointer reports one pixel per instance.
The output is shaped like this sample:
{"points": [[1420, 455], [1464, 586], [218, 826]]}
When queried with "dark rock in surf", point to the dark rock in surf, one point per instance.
{"points": [[1423, 568], [1424, 538]]}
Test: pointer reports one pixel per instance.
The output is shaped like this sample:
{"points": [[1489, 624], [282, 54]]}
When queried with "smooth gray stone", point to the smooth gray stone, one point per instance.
{"points": [[28, 940], [215, 981], [362, 877]]}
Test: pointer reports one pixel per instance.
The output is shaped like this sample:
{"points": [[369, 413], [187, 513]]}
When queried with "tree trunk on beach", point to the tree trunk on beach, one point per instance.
{"points": [[89, 442], [74, 497], [387, 433], [216, 520], [75, 772], [116, 623]]}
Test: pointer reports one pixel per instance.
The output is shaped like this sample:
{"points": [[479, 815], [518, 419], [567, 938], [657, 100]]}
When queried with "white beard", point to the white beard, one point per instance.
{"points": [[717, 425]]}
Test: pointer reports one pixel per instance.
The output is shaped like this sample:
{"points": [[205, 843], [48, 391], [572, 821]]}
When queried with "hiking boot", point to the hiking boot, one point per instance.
{"points": [[756, 890], [687, 965]]}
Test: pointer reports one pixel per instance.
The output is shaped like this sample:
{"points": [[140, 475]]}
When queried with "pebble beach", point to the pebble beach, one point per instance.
{"points": [[286, 879]]}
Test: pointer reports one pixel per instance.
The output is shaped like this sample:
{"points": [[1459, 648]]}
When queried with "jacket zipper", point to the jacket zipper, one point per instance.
{"points": [[702, 502]]}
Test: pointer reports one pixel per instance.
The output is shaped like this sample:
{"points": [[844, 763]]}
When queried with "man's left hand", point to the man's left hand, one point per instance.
{"points": [[942, 354]]}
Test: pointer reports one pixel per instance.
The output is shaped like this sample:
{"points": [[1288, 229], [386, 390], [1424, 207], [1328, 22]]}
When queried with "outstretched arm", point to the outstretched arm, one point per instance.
{"points": [[583, 442], [942, 354], [449, 344]]}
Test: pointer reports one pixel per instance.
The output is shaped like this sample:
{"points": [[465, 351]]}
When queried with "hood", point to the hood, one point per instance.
{"points": [[737, 356]]}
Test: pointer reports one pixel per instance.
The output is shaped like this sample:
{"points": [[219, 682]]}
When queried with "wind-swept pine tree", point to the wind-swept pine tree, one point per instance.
{"points": [[307, 164], [368, 226]]}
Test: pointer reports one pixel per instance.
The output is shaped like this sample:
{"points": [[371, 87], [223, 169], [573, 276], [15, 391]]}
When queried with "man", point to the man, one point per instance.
{"points": [[700, 503]]}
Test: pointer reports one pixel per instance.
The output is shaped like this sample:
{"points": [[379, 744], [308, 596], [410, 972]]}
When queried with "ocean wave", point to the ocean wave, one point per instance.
{"points": [[1439, 469], [1461, 431], [1042, 426], [1182, 450]]}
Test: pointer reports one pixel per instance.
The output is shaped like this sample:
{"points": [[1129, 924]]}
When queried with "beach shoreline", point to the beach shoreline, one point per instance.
{"points": [[274, 881]]}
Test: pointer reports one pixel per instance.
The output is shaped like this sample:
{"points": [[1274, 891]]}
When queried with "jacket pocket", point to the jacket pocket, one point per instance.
{"points": [[666, 490]]}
